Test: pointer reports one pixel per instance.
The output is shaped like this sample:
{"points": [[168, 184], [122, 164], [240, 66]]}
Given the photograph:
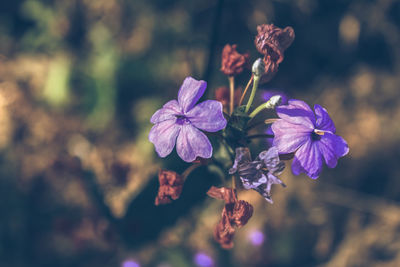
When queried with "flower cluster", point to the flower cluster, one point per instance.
{"points": [[297, 132]]}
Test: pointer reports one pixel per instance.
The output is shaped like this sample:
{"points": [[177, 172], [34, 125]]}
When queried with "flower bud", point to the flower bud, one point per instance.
{"points": [[274, 101], [258, 68]]}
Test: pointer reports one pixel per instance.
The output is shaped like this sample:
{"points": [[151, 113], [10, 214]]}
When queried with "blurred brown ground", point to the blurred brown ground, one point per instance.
{"points": [[80, 79]]}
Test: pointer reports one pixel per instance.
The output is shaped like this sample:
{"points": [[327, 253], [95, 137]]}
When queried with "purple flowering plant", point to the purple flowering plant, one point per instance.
{"points": [[297, 132]]}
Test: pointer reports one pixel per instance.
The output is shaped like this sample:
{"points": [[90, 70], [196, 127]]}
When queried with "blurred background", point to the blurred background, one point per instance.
{"points": [[79, 80]]}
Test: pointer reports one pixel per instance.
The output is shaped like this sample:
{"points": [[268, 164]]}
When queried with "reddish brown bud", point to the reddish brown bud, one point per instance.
{"points": [[232, 62], [170, 188], [235, 213], [272, 42], [222, 95]]}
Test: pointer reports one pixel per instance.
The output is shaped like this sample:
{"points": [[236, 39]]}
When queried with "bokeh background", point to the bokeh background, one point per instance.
{"points": [[79, 80]]}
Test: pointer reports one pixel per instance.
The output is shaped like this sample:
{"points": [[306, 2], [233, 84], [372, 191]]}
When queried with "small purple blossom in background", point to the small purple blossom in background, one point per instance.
{"points": [[310, 136], [178, 122], [203, 260], [130, 263], [259, 174], [256, 237]]}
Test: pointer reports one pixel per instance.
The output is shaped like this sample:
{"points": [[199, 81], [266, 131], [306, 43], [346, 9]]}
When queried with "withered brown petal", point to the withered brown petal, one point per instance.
{"points": [[171, 184], [224, 231], [272, 41], [223, 193], [232, 62], [242, 212], [235, 213]]}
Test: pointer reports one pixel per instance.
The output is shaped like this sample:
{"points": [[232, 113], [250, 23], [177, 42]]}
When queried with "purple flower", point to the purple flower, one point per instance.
{"points": [[259, 174], [311, 137], [179, 120], [266, 95]]}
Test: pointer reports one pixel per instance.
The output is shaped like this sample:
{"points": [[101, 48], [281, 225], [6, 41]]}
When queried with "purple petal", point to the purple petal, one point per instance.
{"points": [[269, 139], [163, 136], [308, 159], [242, 155], [289, 137], [207, 116], [192, 143], [297, 112], [271, 161], [332, 147], [190, 92], [324, 122], [167, 112]]}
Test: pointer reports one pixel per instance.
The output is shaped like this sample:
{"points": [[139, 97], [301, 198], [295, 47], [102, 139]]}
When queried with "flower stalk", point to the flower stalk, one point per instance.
{"points": [[246, 89], [189, 170], [233, 182], [270, 104], [231, 93], [256, 80]]}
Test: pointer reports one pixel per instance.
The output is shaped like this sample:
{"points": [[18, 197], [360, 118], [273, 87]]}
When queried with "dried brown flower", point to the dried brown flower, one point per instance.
{"points": [[171, 184], [235, 213], [224, 231], [232, 61], [223, 193], [272, 41], [222, 95], [241, 213]]}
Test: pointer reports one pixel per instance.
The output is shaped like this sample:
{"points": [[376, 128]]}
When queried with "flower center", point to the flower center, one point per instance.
{"points": [[316, 134], [181, 119]]}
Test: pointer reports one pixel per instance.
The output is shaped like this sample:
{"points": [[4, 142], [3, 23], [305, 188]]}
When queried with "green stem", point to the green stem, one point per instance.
{"points": [[271, 103], [228, 149], [258, 110], [186, 173], [253, 92]]}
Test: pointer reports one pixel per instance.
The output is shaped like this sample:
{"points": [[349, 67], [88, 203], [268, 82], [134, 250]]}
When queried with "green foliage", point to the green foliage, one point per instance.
{"points": [[235, 132]]}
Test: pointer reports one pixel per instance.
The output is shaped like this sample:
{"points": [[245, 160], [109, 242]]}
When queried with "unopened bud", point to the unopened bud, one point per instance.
{"points": [[258, 68], [274, 101]]}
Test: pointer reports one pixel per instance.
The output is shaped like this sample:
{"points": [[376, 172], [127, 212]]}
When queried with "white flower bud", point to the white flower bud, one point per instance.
{"points": [[274, 101], [258, 68]]}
